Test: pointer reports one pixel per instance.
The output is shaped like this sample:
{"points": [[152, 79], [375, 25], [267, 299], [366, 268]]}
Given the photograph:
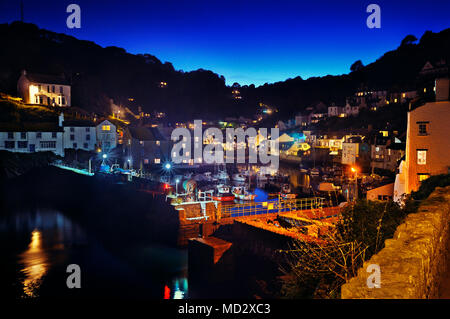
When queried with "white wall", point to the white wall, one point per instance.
{"points": [[349, 153], [80, 137], [31, 138]]}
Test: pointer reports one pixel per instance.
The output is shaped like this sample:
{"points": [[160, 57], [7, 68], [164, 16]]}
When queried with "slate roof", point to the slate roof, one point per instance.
{"points": [[30, 127], [47, 79], [78, 123]]}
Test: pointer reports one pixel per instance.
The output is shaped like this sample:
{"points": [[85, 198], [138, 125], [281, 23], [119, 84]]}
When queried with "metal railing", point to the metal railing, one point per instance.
{"points": [[271, 207]]}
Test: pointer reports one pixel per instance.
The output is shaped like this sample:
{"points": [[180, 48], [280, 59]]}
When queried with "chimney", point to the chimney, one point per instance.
{"points": [[442, 89], [24, 72], [61, 119]]}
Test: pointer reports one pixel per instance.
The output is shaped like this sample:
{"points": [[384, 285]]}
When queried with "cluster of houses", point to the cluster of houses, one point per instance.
{"points": [[369, 99], [55, 137], [422, 152]]}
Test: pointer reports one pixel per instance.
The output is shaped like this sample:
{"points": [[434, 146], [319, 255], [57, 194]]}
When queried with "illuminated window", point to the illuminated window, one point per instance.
{"points": [[157, 160], [106, 128], [424, 90], [158, 142], [403, 95], [421, 157], [423, 177]]}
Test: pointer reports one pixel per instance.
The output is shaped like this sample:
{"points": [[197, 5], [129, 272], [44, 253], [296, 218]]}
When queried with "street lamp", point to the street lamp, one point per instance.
{"points": [[355, 170], [167, 166]]}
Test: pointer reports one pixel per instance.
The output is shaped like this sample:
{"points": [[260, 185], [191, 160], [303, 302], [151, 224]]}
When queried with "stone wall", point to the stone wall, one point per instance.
{"points": [[413, 263]]}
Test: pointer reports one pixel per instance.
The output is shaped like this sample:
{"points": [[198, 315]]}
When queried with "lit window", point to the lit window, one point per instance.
{"points": [[106, 128], [403, 95], [157, 160], [158, 142], [423, 177], [421, 157]]}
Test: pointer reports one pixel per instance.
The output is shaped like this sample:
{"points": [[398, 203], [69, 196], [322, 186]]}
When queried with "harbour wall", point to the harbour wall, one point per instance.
{"points": [[413, 262]]}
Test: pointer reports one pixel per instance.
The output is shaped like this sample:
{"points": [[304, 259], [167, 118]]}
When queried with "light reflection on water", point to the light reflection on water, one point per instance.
{"points": [[179, 289], [35, 263], [51, 241]]}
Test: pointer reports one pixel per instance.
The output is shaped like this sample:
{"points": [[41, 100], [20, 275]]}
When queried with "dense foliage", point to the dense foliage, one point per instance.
{"points": [[319, 269], [427, 186]]}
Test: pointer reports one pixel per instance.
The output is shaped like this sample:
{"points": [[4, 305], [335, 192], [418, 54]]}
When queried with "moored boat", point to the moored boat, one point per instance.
{"points": [[223, 194], [241, 193]]}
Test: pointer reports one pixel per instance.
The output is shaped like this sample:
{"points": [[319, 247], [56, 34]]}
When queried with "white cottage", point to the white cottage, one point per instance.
{"points": [[79, 134], [32, 137], [44, 89]]}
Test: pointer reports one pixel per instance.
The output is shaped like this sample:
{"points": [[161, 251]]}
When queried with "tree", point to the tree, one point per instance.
{"points": [[358, 65], [409, 39]]}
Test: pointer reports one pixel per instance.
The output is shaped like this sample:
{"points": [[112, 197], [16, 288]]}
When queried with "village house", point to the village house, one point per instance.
{"points": [[44, 89], [145, 146], [79, 134], [32, 137], [335, 110], [106, 133], [385, 153], [427, 144], [381, 193]]}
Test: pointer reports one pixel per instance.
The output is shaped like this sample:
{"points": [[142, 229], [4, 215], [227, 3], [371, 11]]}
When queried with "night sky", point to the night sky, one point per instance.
{"points": [[247, 41]]}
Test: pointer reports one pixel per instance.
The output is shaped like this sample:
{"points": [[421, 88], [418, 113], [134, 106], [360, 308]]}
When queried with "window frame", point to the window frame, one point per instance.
{"points": [[417, 156]]}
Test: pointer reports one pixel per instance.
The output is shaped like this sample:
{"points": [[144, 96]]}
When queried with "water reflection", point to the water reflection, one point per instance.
{"points": [[44, 242], [179, 289], [35, 262]]}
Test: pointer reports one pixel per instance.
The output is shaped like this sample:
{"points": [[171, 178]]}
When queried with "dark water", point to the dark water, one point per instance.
{"points": [[37, 244]]}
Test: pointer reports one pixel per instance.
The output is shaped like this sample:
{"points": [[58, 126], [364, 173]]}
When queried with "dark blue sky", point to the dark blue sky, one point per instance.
{"points": [[247, 41]]}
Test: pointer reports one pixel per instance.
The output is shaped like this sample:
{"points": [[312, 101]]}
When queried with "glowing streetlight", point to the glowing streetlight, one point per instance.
{"points": [[355, 170], [167, 166], [105, 156]]}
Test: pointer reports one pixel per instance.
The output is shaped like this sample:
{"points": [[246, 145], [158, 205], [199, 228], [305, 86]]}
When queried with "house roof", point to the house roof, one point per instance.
{"points": [[30, 127], [141, 133], [47, 79], [78, 123]]}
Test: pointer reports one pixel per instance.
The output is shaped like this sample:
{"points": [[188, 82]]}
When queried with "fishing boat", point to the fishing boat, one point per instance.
{"points": [[241, 193], [223, 194]]}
